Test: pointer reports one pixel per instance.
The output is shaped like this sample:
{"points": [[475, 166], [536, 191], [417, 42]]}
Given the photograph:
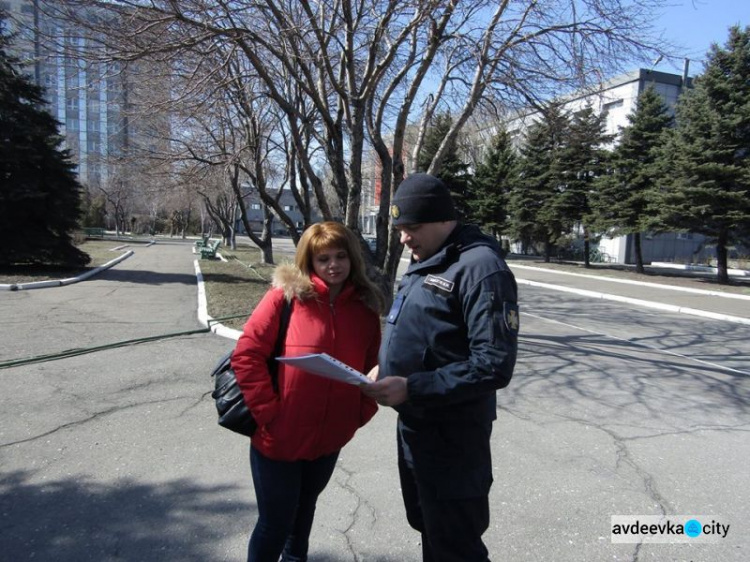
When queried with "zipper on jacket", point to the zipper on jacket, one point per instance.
{"points": [[333, 321]]}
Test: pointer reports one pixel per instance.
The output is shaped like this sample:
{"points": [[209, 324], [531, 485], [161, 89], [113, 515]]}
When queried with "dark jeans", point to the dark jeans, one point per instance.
{"points": [[451, 529], [286, 494]]}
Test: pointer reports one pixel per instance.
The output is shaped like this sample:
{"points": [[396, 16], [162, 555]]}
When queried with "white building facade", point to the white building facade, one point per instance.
{"points": [[616, 100]]}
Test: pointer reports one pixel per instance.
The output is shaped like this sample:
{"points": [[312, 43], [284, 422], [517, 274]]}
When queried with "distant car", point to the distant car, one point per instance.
{"points": [[371, 242]]}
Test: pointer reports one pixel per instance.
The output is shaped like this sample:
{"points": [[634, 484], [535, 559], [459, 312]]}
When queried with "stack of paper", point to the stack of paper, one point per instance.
{"points": [[326, 366]]}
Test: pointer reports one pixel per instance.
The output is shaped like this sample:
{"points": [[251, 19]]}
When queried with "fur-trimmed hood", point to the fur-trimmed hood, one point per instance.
{"points": [[293, 282]]}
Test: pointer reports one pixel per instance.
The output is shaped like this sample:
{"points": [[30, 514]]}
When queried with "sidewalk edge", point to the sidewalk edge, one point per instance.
{"points": [[203, 316], [638, 302]]}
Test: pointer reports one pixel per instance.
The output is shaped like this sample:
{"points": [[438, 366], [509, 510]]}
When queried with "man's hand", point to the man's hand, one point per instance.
{"points": [[390, 391]]}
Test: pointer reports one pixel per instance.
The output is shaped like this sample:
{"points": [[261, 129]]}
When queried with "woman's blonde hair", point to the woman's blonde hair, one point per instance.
{"points": [[323, 236]]}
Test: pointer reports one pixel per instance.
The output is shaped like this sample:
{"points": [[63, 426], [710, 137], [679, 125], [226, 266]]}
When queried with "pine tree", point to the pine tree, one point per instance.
{"points": [[490, 186], [39, 192], [581, 160], [620, 199], [534, 218], [706, 162], [453, 171]]}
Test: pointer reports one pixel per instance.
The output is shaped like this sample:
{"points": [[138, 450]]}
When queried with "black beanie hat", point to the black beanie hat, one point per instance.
{"points": [[422, 198]]}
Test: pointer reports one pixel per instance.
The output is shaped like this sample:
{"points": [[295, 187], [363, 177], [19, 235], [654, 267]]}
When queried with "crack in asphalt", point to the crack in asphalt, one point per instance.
{"points": [[624, 457], [362, 503], [92, 417]]}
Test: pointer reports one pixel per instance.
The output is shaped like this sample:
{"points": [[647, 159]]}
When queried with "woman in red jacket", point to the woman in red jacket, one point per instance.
{"points": [[303, 426]]}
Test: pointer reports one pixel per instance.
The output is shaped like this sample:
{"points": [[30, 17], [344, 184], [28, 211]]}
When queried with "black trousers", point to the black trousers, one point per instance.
{"points": [[286, 494], [451, 529]]}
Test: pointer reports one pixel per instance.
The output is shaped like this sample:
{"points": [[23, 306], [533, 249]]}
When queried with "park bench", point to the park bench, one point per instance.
{"points": [[94, 232], [203, 242], [209, 251]]}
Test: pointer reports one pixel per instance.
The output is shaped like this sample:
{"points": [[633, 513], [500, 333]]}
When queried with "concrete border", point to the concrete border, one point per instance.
{"points": [[68, 281], [702, 268], [638, 302], [203, 317], [633, 282]]}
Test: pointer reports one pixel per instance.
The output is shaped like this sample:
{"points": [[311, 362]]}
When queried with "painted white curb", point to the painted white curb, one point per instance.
{"points": [[69, 280], [638, 302], [633, 282], [703, 268], [203, 317]]}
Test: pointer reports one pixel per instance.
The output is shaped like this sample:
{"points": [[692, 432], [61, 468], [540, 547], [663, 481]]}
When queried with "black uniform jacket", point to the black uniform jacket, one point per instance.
{"points": [[453, 333]]}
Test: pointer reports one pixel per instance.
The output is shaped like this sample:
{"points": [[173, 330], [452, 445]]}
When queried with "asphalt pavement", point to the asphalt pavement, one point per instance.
{"points": [[707, 303], [615, 408]]}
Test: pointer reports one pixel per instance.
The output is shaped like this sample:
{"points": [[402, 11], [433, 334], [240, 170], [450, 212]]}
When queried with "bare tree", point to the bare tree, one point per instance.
{"points": [[349, 75]]}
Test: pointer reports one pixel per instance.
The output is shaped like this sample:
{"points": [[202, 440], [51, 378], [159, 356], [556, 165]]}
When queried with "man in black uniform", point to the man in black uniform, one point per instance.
{"points": [[450, 342]]}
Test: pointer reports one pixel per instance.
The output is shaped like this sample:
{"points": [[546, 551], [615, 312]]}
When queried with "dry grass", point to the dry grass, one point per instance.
{"points": [[233, 288], [100, 251]]}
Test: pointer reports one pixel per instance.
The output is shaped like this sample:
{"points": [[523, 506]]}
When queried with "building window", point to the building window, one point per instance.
{"points": [[288, 207], [255, 206], [612, 105]]}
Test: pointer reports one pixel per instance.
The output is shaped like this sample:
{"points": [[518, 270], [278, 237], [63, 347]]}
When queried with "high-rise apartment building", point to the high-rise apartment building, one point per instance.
{"points": [[89, 99]]}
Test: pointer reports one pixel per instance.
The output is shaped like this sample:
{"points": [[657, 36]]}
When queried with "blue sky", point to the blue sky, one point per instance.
{"points": [[695, 24]]}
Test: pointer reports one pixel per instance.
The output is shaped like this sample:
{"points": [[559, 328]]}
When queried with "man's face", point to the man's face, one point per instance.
{"points": [[425, 239]]}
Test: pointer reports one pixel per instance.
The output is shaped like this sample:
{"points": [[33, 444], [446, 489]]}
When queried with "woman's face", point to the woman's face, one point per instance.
{"points": [[332, 266]]}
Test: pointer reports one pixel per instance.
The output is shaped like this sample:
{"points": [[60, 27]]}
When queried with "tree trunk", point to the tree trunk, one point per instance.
{"points": [[586, 249], [266, 252], [638, 253], [721, 258]]}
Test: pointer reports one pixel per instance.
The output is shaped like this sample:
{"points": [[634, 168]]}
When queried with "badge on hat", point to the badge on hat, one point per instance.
{"points": [[395, 211]]}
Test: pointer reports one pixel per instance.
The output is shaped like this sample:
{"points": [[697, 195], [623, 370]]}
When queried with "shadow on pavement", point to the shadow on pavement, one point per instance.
{"points": [[146, 277], [668, 367], [75, 520]]}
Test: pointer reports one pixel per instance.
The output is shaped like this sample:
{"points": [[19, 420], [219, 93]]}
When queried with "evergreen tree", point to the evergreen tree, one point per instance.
{"points": [[706, 162], [39, 193], [453, 171], [534, 218], [620, 200], [490, 186], [581, 160]]}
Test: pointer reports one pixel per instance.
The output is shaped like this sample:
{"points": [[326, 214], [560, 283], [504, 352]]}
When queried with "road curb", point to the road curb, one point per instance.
{"points": [[662, 286], [638, 302], [203, 316], [68, 281]]}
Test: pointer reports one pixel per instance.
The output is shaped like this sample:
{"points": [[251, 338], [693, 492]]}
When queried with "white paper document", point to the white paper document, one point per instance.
{"points": [[326, 366]]}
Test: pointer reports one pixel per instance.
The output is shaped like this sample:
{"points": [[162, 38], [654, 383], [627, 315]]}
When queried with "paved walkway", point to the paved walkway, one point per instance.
{"points": [[117, 454]]}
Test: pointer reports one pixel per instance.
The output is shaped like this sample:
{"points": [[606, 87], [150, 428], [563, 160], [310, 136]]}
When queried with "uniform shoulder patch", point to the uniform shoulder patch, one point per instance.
{"points": [[512, 317]]}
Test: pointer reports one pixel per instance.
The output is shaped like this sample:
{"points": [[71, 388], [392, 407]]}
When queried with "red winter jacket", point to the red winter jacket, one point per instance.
{"points": [[311, 416]]}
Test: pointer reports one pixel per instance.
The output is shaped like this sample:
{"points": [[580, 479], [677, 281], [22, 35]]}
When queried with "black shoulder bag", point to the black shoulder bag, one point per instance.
{"points": [[233, 411]]}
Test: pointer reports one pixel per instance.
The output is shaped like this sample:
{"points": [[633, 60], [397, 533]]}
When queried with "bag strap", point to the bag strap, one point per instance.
{"points": [[273, 365]]}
